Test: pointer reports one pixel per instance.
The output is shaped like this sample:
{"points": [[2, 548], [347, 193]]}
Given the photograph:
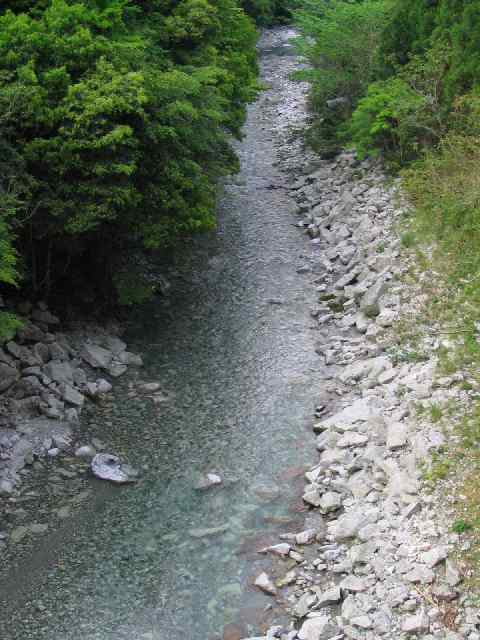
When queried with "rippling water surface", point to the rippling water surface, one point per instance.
{"points": [[238, 370]]}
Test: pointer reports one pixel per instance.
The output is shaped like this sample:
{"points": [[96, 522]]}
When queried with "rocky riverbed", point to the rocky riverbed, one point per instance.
{"points": [[378, 560], [47, 376]]}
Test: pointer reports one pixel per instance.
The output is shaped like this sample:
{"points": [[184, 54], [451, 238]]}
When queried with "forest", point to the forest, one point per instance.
{"points": [[116, 121]]}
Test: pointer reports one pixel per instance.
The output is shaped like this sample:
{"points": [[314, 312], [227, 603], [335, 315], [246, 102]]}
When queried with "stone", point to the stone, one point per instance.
{"points": [[352, 440], [208, 532], [354, 584], [41, 351], [312, 497], [443, 592], [24, 354], [86, 452], [57, 352], [106, 466], [30, 333], [327, 598], [420, 574], [306, 537], [317, 628], [264, 583], [71, 395], [37, 528], [207, 481], [304, 604], [115, 344], [45, 317], [64, 512], [369, 303], [434, 556], [58, 371], [358, 411], [7, 487], [8, 375], [348, 525], [364, 622], [131, 359], [116, 369], [419, 623], [97, 357], [150, 387], [370, 368], [282, 549], [330, 501], [18, 534], [397, 435], [453, 576], [103, 386]]}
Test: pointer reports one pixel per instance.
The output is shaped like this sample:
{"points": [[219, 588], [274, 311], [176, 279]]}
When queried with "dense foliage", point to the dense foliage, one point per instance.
{"points": [[396, 69], [115, 127]]}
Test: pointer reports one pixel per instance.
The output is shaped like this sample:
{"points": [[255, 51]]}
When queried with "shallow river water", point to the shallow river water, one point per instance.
{"points": [[232, 346]]}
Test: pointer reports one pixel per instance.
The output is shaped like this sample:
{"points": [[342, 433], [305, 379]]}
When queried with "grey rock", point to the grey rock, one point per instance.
{"points": [[312, 496], [354, 584], [109, 467], [453, 576], [283, 549], [327, 598], [19, 533], [96, 356], [330, 501], [209, 532], [24, 354], [8, 375], [116, 370], [61, 372], [41, 351], [131, 359], [87, 452], [434, 556], [45, 317], [369, 303], [304, 605], [57, 352], [419, 623], [72, 396], [264, 583], [103, 386], [397, 435], [30, 333], [7, 487]]}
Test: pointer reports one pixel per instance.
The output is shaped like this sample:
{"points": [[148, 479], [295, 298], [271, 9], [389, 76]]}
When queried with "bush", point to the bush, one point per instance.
{"points": [[340, 40]]}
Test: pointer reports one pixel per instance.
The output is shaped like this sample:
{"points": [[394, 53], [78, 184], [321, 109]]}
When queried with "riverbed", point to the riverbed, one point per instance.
{"points": [[232, 346]]}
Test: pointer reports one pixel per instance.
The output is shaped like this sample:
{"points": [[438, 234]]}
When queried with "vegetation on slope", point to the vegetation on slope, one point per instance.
{"points": [[116, 124]]}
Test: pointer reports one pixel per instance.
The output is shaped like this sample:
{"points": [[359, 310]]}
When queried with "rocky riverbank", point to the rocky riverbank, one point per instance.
{"points": [[47, 376], [377, 556]]}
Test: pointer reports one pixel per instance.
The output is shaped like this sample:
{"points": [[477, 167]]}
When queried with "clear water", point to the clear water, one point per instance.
{"points": [[240, 376]]}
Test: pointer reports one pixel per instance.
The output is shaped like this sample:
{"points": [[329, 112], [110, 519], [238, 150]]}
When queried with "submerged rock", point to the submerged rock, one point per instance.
{"points": [[207, 481], [109, 467]]}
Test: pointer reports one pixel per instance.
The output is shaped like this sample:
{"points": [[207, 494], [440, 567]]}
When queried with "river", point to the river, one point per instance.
{"points": [[233, 347]]}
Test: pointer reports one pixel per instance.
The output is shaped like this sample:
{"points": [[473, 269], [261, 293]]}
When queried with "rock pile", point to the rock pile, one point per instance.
{"points": [[46, 376], [379, 566]]}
